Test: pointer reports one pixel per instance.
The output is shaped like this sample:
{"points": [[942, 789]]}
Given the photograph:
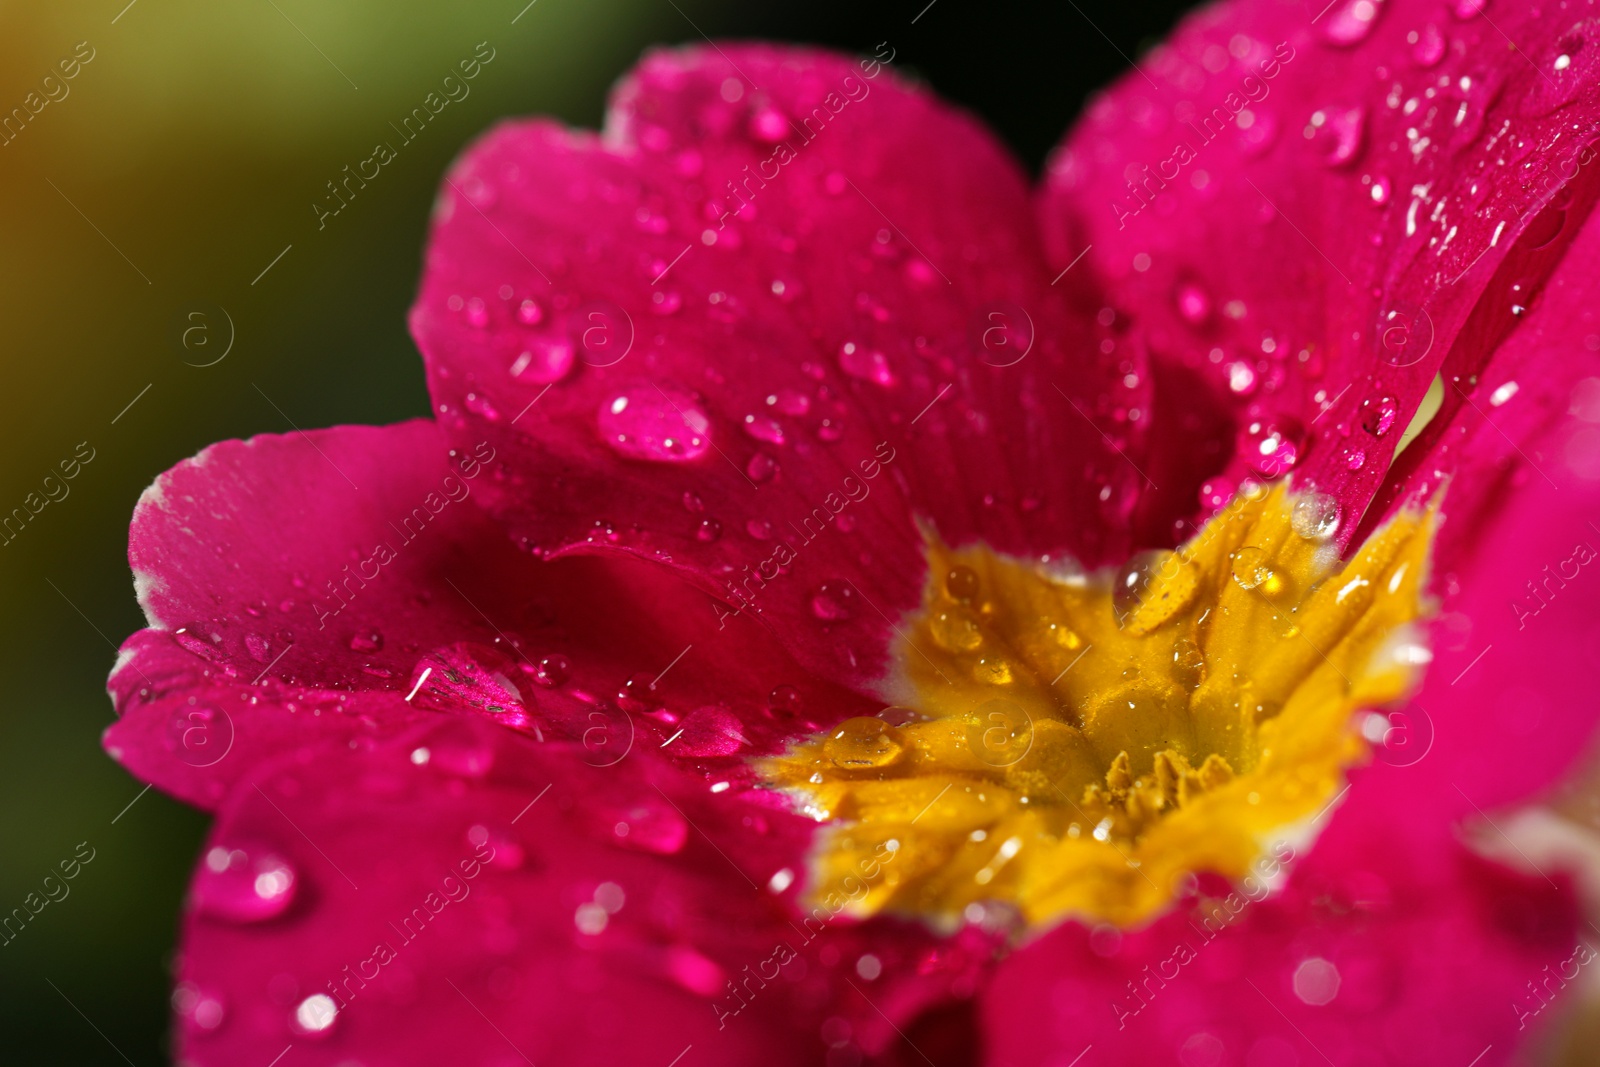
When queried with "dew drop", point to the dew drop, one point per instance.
{"points": [[1315, 516], [1427, 45], [1269, 449], [553, 671], [1194, 303], [663, 422], [961, 582], [709, 732], [868, 364], [833, 601], [708, 531], [1378, 415], [770, 125], [243, 883], [1339, 135], [764, 428], [545, 359], [1468, 9], [1137, 577], [785, 700], [1350, 21], [863, 742], [761, 468], [955, 631], [1250, 568], [314, 1016], [651, 825], [1381, 191], [367, 640], [529, 313]]}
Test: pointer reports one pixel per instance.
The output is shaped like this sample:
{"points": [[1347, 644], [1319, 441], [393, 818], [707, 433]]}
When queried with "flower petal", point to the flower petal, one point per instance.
{"points": [[1316, 214], [340, 584], [466, 895], [783, 305]]}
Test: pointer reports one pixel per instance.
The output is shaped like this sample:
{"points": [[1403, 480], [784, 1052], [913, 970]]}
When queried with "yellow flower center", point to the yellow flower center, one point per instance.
{"points": [[1079, 744]]}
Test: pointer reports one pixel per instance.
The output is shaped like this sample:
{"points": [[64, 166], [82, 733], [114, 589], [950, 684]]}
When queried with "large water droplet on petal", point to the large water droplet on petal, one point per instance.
{"points": [[707, 732], [1315, 516], [1378, 414], [662, 422], [863, 742], [314, 1016], [243, 882], [833, 601], [1427, 45], [547, 358], [868, 364], [1338, 134], [1349, 22], [650, 825]]}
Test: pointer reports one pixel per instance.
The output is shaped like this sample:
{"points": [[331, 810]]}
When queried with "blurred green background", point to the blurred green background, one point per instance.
{"points": [[182, 161]]}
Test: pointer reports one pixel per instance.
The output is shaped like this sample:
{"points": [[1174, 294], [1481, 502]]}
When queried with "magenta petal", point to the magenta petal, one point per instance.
{"points": [[1381, 186], [340, 584], [463, 895], [755, 332]]}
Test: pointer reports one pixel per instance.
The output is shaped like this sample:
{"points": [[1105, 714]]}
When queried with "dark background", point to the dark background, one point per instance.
{"points": [[184, 159]]}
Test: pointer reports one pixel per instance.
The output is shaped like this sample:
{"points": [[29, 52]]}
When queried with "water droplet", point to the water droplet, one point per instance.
{"points": [[243, 883], [1339, 134], [769, 124], [1381, 190], [651, 825], [785, 700], [868, 364], [1350, 21], [999, 732], [863, 742], [955, 631], [545, 359], [258, 647], [761, 468], [1315, 516], [200, 1011], [1355, 459], [708, 531], [760, 529], [834, 601], [709, 731], [553, 671], [367, 640], [1427, 45], [1250, 567], [655, 422], [665, 301], [1188, 661], [1159, 572], [314, 1016], [789, 402], [1468, 9], [1194, 303], [1241, 378], [764, 428], [529, 313], [1269, 448], [1378, 415], [961, 582]]}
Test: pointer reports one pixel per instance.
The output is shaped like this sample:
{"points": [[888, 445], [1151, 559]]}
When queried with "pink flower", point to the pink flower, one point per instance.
{"points": [[730, 375]]}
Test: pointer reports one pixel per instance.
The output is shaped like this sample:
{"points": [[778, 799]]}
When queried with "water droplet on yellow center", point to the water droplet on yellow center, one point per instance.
{"points": [[1083, 747]]}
